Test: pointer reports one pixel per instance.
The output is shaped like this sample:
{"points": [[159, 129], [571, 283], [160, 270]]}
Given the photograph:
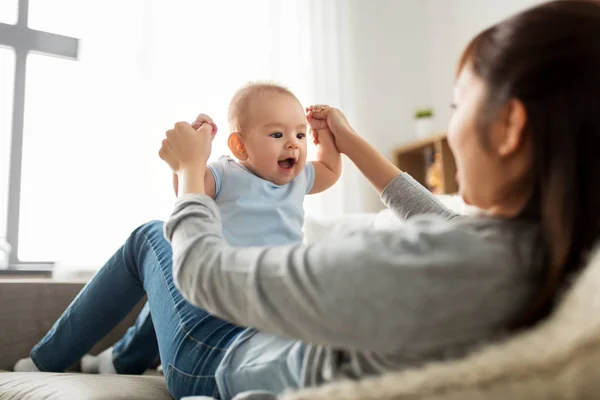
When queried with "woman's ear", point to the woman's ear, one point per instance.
{"points": [[514, 128], [236, 145]]}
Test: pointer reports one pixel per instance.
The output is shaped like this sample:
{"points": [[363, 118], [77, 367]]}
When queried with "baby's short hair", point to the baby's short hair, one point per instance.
{"points": [[237, 115]]}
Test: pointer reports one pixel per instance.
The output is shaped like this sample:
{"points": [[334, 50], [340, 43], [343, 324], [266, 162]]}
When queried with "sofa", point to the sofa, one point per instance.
{"points": [[559, 359], [28, 309]]}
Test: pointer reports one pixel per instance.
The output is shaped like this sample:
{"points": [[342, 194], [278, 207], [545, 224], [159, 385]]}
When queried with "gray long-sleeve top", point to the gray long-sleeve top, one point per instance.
{"points": [[370, 301]]}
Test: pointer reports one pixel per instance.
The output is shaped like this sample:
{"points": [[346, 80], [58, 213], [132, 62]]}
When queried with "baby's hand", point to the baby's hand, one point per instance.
{"points": [[318, 135], [202, 119], [316, 126], [322, 117]]}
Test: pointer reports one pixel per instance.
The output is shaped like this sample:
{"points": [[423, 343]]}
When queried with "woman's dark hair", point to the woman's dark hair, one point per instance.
{"points": [[548, 57]]}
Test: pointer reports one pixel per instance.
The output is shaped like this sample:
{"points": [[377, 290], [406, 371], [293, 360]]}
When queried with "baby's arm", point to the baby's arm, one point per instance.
{"points": [[328, 166]]}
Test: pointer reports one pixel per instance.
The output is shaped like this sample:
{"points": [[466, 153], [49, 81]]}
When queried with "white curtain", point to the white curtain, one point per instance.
{"points": [[93, 127]]}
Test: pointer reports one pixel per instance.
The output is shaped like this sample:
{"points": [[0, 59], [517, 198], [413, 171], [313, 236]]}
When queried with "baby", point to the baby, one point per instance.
{"points": [[260, 193]]}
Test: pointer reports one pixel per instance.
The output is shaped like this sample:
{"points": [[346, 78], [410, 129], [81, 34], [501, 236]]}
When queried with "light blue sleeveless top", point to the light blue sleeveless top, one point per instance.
{"points": [[265, 214]]}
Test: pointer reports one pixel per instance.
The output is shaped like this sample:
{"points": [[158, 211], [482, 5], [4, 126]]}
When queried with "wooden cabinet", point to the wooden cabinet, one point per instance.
{"points": [[430, 162]]}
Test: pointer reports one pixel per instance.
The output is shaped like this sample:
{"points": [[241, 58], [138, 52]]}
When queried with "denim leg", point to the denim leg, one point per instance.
{"points": [[138, 348], [106, 299], [191, 341]]}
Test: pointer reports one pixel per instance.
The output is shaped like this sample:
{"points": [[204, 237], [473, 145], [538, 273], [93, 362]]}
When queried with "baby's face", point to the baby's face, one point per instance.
{"points": [[275, 138]]}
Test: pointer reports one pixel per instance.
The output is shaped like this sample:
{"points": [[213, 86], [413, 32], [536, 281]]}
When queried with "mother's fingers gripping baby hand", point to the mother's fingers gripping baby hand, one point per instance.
{"points": [[319, 111], [202, 119], [317, 124], [317, 116], [317, 108]]}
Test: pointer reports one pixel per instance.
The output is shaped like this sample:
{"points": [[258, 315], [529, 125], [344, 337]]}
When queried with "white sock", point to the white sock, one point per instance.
{"points": [[100, 364], [25, 365]]}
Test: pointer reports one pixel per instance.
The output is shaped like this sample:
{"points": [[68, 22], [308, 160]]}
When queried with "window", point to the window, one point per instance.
{"points": [[23, 40], [93, 116], [62, 17], [7, 73], [51, 165], [9, 11]]}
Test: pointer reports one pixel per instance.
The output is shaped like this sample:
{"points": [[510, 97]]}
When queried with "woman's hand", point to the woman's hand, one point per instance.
{"points": [[322, 117], [187, 148], [167, 155], [374, 166], [167, 152]]}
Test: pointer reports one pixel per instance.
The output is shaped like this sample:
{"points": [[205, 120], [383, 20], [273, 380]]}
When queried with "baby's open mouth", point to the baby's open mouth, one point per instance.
{"points": [[287, 163]]}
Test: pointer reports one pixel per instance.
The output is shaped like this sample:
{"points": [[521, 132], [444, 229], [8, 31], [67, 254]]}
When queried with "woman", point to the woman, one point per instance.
{"points": [[526, 137]]}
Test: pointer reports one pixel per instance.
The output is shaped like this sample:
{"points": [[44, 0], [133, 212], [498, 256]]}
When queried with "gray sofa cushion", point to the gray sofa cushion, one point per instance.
{"points": [[30, 308], [56, 386]]}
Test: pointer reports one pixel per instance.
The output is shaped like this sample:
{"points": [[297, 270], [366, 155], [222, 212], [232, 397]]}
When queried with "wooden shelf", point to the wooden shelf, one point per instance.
{"points": [[415, 158]]}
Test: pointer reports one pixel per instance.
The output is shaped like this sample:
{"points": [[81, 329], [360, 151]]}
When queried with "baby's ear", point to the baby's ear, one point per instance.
{"points": [[236, 145]]}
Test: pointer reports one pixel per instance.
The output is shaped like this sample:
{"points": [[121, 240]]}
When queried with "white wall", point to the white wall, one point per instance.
{"points": [[403, 56], [388, 77], [452, 24]]}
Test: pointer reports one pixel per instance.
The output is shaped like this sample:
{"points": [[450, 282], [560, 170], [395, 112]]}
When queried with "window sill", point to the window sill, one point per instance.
{"points": [[42, 270]]}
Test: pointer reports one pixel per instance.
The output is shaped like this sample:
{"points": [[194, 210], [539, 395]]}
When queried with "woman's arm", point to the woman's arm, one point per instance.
{"points": [[371, 163], [210, 186], [406, 198], [372, 290], [402, 194], [399, 191]]}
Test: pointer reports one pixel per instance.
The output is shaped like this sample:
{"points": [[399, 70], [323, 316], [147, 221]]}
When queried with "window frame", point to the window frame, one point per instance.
{"points": [[23, 40]]}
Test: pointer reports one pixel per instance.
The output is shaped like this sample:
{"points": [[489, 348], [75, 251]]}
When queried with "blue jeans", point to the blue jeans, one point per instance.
{"points": [[137, 350], [191, 342]]}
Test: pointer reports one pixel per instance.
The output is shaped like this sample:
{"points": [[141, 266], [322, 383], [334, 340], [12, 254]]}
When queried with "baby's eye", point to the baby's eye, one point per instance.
{"points": [[277, 135], [301, 135]]}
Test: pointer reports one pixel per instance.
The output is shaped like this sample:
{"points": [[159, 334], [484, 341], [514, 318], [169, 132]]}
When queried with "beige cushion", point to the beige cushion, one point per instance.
{"points": [[559, 359], [55, 386]]}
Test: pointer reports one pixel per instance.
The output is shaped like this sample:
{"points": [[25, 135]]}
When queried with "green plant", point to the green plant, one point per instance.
{"points": [[424, 113]]}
